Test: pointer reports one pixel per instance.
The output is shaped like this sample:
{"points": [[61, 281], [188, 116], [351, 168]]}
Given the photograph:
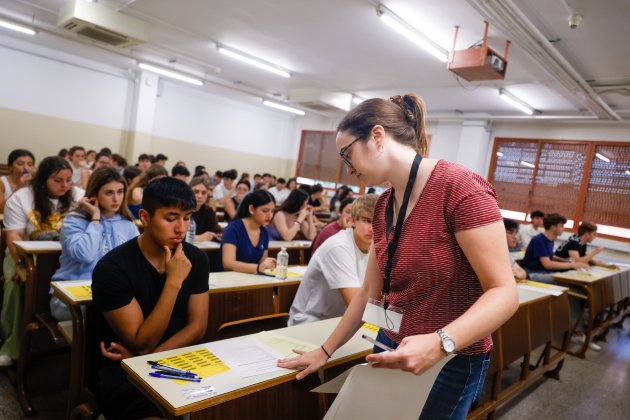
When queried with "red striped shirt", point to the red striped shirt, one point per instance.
{"points": [[431, 279]]}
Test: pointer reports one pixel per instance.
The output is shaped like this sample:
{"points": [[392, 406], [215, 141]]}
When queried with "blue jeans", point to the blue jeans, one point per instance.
{"points": [[458, 385]]}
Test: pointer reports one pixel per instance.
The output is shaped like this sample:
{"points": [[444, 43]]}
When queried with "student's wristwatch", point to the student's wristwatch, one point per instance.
{"points": [[448, 344]]}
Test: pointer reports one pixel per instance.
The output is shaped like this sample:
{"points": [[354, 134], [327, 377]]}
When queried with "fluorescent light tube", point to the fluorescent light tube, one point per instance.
{"points": [[602, 157], [283, 107], [252, 61], [356, 100], [516, 102], [171, 74], [18, 28], [529, 165], [414, 35]]}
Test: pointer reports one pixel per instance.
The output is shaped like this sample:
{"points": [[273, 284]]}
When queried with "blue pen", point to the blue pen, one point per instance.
{"points": [[183, 378], [167, 368]]}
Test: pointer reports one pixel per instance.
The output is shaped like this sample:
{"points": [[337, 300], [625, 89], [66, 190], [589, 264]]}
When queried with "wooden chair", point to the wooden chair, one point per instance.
{"points": [[252, 325]]}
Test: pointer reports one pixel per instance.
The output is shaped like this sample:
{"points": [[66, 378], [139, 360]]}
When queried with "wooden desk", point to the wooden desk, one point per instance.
{"points": [[41, 259], [269, 396], [77, 345], [299, 251], [239, 296], [604, 289], [542, 320]]}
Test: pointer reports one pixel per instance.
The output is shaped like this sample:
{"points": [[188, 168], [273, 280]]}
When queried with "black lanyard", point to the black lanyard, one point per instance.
{"points": [[392, 246]]}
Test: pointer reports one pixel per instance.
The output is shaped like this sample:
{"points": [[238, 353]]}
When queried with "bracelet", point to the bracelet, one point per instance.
{"points": [[324, 350]]}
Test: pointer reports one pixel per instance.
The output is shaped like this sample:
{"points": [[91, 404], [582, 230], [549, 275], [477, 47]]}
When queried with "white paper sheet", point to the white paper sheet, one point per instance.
{"points": [[247, 356], [553, 292], [401, 395]]}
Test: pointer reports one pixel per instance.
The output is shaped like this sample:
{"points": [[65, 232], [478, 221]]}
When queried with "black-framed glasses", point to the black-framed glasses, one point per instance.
{"points": [[344, 152]]}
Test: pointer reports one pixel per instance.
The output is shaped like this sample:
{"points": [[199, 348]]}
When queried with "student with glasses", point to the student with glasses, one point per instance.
{"points": [[439, 257]]}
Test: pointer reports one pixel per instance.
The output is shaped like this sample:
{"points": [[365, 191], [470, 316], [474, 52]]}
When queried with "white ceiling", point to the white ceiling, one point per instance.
{"points": [[341, 45]]}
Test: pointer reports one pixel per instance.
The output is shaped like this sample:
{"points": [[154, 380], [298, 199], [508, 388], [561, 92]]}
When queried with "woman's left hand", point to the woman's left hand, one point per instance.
{"points": [[415, 354]]}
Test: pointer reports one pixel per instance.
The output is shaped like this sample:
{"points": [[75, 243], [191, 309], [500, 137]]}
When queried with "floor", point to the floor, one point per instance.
{"points": [[595, 388]]}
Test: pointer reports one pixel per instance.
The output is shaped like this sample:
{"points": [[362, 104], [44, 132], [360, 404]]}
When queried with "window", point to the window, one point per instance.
{"points": [[581, 180]]}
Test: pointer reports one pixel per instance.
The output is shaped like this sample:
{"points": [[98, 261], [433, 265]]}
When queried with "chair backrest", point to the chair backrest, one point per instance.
{"points": [[252, 325]]}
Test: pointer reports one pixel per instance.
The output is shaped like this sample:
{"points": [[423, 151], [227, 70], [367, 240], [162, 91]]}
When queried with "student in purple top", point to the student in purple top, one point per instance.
{"points": [[539, 260]]}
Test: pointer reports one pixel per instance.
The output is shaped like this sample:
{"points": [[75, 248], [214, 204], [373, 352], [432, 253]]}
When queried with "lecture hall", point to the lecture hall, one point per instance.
{"points": [[314, 210]]}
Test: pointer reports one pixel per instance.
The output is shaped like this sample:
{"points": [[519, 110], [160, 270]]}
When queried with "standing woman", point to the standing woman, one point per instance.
{"points": [[100, 223], [134, 193], [34, 213], [439, 255], [21, 165], [206, 224], [230, 204], [245, 242], [293, 216]]}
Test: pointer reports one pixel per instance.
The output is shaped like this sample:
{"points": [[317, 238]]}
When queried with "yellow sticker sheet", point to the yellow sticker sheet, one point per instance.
{"points": [[370, 327], [284, 345], [201, 362], [537, 284], [80, 292]]}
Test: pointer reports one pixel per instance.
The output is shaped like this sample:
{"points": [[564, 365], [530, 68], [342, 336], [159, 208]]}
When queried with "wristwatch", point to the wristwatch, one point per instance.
{"points": [[448, 344]]}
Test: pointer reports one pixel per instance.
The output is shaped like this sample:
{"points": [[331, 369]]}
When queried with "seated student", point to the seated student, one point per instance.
{"points": [[144, 161], [539, 260], [21, 164], [294, 216], [316, 198], [33, 213], [207, 225], [216, 178], [90, 157], [131, 173], [150, 294], [511, 232], [134, 193], [245, 242], [527, 232], [345, 193], [575, 248], [280, 191], [119, 163], [345, 216], [80, 173], [230, 204], [160, 159], [335, 273], [180, 172], [226, 187], [100, 223]]}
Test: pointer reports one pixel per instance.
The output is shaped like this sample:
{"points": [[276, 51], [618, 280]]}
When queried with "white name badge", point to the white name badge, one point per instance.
{"points": [[388, 319]]}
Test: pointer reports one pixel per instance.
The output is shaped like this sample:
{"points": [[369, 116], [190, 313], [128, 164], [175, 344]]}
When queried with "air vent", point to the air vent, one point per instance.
{"points": [[100, 24], [321, 100]]}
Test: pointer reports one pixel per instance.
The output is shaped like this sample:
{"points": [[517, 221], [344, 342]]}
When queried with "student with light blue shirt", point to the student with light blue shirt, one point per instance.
{"points": [[100, 223]]}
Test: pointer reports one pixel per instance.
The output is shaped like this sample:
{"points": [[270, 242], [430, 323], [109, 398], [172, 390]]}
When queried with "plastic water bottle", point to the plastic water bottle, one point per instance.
{"points": [[283, 264], [190, 233]]}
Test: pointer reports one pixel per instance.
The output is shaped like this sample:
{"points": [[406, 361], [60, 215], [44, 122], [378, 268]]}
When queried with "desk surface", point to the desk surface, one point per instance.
{"points": [[526, 297], [61, 288], [591, 276], [38, 247], [230, 385]]}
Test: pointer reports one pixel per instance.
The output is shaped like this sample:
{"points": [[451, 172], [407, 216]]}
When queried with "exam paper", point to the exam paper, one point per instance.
{"points": [[401, 395], [247, 356], [283, 345]]}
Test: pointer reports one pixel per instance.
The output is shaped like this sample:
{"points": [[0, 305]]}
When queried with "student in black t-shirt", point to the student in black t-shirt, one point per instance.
{"points": [[575, 248], [150, 295]]}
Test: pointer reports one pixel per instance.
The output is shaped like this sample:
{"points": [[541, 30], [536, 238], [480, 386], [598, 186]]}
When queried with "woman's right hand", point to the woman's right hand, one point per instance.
{"points": [[206, 236], [306, 362], [91, 206]]}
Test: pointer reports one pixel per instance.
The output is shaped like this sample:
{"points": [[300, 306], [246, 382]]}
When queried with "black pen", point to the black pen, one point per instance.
{"points": [[171, 369]]}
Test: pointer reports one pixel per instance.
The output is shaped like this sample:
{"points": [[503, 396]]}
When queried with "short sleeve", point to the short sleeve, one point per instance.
{"points": [[230, 234], [201, 272], [111, 288], [539, 249], [338, 268], [15, 213], [470, 200]]}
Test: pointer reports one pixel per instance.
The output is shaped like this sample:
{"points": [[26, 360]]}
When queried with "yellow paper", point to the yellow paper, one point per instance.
{"points": [[537, 284], [284, 345], [370, 327], [201, 362], [290, 274], [80, 292]]}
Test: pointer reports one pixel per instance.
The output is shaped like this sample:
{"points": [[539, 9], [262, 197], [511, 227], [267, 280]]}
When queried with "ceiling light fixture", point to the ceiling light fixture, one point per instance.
{"points": [[395, 22], [253, 61], [500, 154], [602, 157], [18, 28], [171, 74], [516, 102], [282, 107], [529, 165], [357, 100]]}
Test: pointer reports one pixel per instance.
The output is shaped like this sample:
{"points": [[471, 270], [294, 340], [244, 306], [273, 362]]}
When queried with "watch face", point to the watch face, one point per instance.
{"points": [[449, 345]]}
